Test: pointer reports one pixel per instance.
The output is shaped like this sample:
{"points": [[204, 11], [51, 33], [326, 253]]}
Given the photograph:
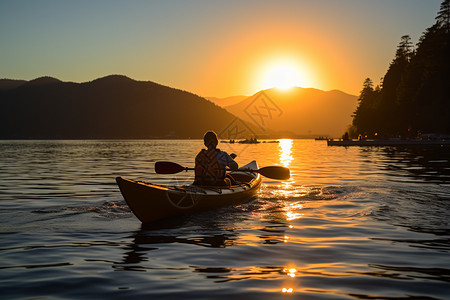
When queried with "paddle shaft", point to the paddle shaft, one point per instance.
{"points": [[274, 172]]}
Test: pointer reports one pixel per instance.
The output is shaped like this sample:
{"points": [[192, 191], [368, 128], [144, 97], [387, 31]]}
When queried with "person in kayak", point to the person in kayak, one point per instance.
{"points": [[211, 163]]}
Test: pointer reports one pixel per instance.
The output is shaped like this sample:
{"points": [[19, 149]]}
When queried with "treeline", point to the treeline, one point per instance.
{"points": [[414, 95]]}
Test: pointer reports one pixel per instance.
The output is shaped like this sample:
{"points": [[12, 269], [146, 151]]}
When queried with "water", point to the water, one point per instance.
{"points": [[352, 223]]}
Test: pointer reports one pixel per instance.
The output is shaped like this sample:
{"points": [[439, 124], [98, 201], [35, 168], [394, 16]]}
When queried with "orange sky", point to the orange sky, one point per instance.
{"points": [[211, 48]]}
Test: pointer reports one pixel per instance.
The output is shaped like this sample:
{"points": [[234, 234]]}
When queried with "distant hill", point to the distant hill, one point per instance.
{"points": [[7, 84], [223, 102], [113, 107], [42, 81], [300, 111]]}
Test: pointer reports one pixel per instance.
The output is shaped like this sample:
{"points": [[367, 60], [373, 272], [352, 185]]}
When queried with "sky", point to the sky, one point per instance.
{"points": [[208, 47]]}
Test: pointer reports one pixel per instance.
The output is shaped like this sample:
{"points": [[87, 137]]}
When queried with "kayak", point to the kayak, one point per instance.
{"points": [[151, 202]]}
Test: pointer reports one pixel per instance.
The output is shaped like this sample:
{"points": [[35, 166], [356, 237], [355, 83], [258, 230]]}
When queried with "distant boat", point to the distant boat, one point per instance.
{"points": [[249, 141], [390, 142], [271, 141], [322, 138]]}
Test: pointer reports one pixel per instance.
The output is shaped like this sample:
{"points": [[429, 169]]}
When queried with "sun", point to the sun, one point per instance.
{"points": [[282, 77], [283, 72]]}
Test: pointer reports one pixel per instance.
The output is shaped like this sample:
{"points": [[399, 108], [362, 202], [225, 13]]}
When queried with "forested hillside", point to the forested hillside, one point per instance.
{"points": [[414, 95]]}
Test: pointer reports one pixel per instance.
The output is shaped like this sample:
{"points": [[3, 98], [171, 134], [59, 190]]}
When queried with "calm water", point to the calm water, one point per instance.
{"points": [[352, 223]]}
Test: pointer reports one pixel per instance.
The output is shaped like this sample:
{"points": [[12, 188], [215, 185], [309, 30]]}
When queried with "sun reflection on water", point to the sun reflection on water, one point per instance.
{"points": [[293, 216], [290, 271], [286, 152], [292, 211], [290, 190]]}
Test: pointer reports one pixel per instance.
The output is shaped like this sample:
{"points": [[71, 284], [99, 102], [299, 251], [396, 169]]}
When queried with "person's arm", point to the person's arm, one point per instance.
{"points": [[228, 161]]}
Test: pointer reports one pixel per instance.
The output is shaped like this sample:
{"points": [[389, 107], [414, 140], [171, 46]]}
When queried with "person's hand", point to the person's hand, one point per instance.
{"points": [[233, 156]]}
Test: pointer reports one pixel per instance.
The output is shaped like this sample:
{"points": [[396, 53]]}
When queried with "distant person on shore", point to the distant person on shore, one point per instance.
{"points": [[211, 163]]}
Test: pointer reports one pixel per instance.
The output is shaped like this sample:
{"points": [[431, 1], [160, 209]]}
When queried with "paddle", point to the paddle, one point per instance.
{"points": [[273, 172], [167, 167]]}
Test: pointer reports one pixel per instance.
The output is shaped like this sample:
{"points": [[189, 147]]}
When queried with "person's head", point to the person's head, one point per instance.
{"points": [[210, 139]]}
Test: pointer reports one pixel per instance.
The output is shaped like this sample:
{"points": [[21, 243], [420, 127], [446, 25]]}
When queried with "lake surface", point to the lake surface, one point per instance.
{"points": [[351, 223]]}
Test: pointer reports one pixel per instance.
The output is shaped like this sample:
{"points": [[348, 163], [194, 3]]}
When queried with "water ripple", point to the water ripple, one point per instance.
{"points": [[351, 223]]}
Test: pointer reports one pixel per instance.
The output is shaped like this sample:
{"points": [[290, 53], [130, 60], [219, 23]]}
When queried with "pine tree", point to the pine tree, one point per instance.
{"points": [[388, 108], [364, 115], [443, 17]]}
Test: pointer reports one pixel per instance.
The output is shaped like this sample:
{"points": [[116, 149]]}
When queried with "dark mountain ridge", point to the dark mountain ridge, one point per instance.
{"points": [[112, 107], [8, 84]]}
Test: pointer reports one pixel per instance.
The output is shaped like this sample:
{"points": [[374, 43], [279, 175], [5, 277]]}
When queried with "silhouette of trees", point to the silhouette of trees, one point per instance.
{"points": [[414, 95], [443, 16], [365, 115]]}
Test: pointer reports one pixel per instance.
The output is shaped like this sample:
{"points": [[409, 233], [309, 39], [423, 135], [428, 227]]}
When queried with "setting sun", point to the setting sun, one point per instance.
{"points": [[282, 77], [284, 71]]}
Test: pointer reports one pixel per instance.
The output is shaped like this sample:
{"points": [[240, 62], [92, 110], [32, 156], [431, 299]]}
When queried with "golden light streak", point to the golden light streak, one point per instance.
{"points": [[286, 152], [291, 211], [290, 271], [293, 216]]}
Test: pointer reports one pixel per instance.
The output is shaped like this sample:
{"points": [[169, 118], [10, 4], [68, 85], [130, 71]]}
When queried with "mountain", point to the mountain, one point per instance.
{"points": [[42, 81], [112, 107], [299, 111], [223, 102], [7, 84]]}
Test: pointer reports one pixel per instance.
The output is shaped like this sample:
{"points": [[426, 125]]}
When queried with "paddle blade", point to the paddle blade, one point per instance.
{"points": [[167, 167], [275, 172]]}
